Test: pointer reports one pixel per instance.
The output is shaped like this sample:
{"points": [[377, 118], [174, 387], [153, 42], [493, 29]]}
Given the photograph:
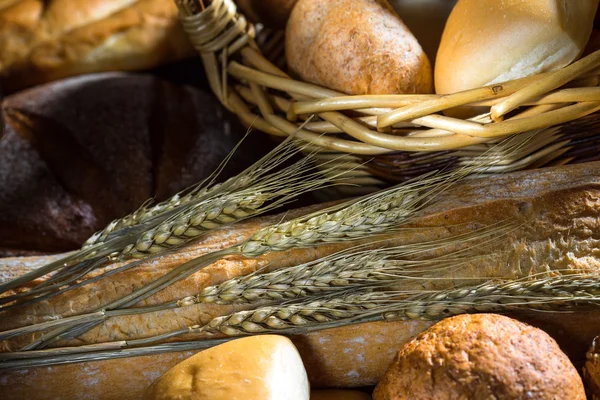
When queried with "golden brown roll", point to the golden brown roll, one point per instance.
{"points": [[483, 356], [355, 47]]}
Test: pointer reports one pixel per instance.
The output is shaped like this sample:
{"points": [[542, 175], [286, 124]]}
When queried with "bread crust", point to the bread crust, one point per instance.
{"points": [[561, 208]]}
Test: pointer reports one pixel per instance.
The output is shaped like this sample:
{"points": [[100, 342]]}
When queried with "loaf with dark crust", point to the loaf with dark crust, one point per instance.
{"points": [[80, 152], [481, 356]]}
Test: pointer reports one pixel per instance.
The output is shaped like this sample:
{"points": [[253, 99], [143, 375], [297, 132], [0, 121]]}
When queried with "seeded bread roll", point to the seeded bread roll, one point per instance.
{"points": [[483, 356], [486, 42]]}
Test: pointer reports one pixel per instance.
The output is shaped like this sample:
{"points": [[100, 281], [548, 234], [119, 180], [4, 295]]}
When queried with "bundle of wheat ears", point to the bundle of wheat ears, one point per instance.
{"points": [[373, 279]]}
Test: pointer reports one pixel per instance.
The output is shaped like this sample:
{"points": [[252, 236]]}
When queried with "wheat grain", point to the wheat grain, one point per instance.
{"points": [[356, 219], [362, 266], [555, 293], [201, 191], [264, 194]]}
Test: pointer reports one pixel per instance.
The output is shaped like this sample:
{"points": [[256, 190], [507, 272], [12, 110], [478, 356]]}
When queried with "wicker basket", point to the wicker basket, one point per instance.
{"points": [[389, 138]]}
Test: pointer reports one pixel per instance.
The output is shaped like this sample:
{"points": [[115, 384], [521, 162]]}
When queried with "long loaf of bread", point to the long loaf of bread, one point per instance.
{"points": [[43, 41], [559, 211]]}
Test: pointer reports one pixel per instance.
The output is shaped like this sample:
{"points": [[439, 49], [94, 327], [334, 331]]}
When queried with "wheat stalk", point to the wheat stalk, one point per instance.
{"points": [[102, 244], [264, 194], [555, 293], [356, 219], [367, 304], [357, 267], [198, 192], [257, 190]]}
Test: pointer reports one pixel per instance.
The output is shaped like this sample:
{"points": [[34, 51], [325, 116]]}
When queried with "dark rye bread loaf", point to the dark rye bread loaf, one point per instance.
{"points": [[78, 153]]}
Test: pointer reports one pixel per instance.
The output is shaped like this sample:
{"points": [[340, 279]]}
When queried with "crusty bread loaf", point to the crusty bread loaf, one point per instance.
{"points": [[560, 208], [356, 47], [486, 42], [48, 40], [80, 152]]}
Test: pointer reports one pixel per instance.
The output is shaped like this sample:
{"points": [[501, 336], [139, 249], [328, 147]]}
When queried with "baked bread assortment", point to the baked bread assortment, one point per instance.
{"points": [[81, 152], [557, 205], [355, 47], [479, 357], [256, 368], [383, 294], [43, 41], [497, 41]]}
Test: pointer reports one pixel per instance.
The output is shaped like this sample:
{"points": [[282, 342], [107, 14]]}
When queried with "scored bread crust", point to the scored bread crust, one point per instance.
{"points": [[49, 40], [560, 211]]}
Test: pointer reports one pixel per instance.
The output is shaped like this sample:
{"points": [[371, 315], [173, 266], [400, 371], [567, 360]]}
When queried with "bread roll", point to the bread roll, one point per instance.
{"points": [[48, 40], [482, 356], [486, 42], [80, 152], [356, 47], [266, 367]]}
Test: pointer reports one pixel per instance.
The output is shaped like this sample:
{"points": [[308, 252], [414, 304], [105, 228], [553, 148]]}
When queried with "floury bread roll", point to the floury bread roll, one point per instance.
{"points": [[487, 42], [42, 41], [255, 368], [355, 47]]}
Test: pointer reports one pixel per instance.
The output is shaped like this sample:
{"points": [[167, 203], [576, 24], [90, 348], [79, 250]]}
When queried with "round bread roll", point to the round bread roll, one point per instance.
{"points": [[483, 356], [591, 370], [487, 42], [272, 13], [338, 395], [266, 367], [356, 47]]}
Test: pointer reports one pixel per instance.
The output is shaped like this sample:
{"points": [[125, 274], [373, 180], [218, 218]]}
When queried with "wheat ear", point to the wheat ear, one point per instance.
{"points": [[353, 268], [556, 293], [356, 219], [105, 246]]}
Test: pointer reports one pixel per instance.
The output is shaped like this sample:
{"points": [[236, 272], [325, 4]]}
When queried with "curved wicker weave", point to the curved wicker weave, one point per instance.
{"points": [[401, 135]]}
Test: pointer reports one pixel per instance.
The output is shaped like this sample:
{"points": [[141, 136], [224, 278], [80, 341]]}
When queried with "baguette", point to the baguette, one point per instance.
{"points": [[47, 40], [560, 211]]}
